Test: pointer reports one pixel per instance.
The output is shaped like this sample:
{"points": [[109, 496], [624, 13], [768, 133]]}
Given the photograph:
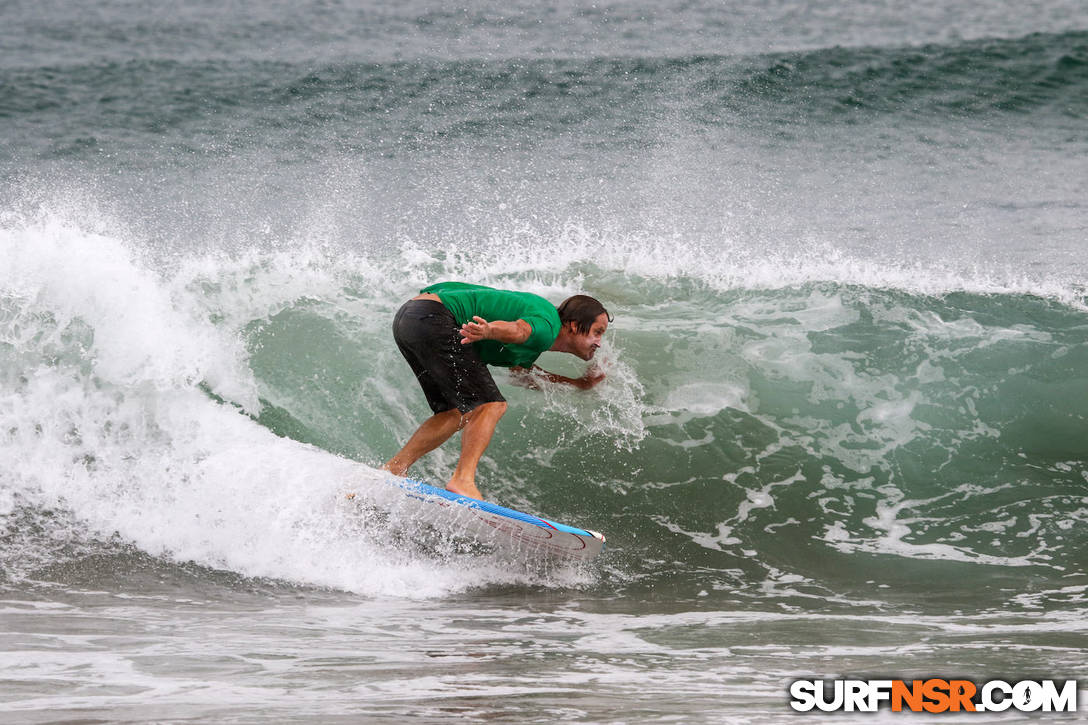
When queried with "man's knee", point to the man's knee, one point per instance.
{"points": [[494, 409], [497, 408]]}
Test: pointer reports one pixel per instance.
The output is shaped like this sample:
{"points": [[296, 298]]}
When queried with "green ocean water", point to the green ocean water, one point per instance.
{"points": [[843, 429]]}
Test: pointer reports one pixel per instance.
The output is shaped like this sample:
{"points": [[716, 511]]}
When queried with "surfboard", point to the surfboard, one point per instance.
{"points": [[511, 530]]}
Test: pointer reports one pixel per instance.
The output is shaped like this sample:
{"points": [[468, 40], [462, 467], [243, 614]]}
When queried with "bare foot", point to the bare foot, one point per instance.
{"points": [[465, 488]]}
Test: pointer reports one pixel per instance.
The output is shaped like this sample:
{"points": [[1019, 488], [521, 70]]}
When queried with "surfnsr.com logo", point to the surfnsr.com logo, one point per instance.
{"points": [[934, 695]]}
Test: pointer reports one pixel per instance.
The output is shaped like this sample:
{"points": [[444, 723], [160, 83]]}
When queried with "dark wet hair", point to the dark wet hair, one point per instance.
{"points": [[582, 310]]}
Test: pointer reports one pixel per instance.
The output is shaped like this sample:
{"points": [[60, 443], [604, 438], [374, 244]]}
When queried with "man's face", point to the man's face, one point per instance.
{"points": [[586, 343]]}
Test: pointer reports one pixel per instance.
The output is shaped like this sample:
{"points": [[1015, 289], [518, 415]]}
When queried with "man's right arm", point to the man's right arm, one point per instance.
{"points": [[529, 378], [500, 330]]}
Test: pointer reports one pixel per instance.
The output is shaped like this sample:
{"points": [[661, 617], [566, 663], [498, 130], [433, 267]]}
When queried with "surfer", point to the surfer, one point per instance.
{"points": [[452, 331]]}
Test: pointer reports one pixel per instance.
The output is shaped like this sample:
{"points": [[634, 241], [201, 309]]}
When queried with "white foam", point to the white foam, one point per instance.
{"points": [[56, 270], [895, 530], [707, 399], [557, 257]]}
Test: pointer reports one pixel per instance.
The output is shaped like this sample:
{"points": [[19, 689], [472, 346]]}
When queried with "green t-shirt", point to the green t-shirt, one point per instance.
{"points": [[465, 300]]}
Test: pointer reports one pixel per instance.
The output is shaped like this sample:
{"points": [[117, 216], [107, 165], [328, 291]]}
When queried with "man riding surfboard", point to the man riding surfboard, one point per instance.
{"points": [[451, 332]]}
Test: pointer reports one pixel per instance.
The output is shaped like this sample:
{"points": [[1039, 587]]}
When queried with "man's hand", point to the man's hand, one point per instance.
{"points": [[478, 329], [593, 376]]}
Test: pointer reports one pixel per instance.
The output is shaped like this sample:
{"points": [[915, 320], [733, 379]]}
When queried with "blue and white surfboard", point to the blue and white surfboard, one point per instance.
{"points": [[506, 527]]}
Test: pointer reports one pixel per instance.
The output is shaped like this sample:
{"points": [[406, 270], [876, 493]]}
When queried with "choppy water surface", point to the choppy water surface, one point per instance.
{"points": [[843, 431]]}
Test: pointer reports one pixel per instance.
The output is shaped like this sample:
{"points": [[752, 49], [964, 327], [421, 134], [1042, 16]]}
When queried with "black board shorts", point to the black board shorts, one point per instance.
{"points": [[452, 375]]}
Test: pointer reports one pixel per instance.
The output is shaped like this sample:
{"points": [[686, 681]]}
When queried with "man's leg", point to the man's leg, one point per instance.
{"points": [[479, 425], [435, 431]]}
